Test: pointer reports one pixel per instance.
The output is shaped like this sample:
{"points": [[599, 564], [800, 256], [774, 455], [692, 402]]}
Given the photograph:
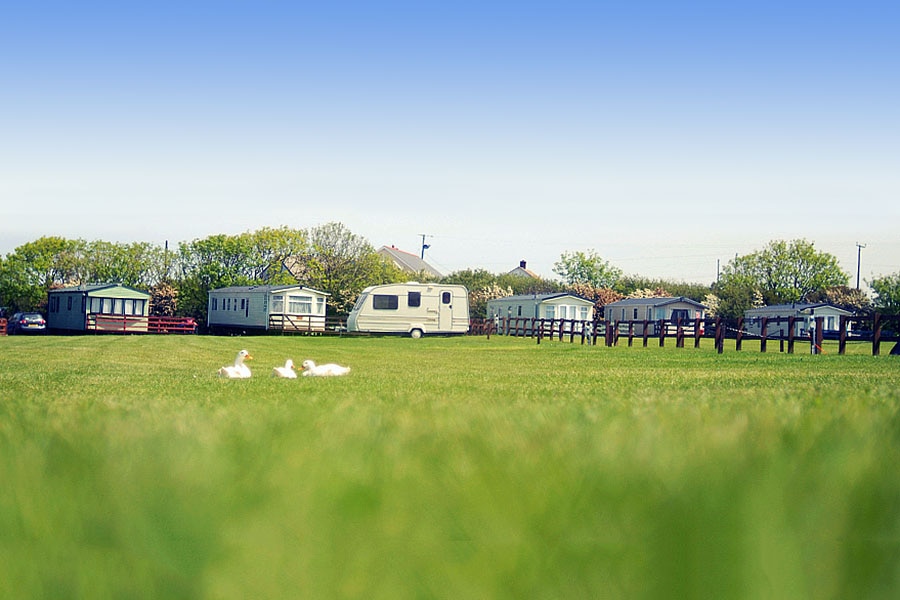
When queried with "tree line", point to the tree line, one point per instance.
{"points": [[333, 259]]}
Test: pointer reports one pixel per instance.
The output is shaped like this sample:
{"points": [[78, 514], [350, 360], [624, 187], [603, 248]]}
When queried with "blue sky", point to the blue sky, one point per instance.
{"points": [[668, 137]]}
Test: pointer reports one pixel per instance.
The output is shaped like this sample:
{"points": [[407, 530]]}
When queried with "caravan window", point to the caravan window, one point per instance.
{"points": [[446, 297], [414, 299], [300, 305], [277, 304], [680, 313], [385, 302]]}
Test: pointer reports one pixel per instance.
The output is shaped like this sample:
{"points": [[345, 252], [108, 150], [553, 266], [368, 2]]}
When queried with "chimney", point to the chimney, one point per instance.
{"points": [[521, 264]]}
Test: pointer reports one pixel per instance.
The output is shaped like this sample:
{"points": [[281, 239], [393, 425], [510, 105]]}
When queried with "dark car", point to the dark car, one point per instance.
{"points": [[26, 322]]}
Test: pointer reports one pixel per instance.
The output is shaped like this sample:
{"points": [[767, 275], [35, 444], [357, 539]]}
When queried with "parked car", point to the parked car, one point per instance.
{"points": [[26, 322]]}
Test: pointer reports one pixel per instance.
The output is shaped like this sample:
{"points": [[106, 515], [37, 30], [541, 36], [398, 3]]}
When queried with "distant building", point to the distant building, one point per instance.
{"points": [[804, 318], [653, 310], [523, 271], [267, 307], [408, 262], [98, 307], [542, 306]]}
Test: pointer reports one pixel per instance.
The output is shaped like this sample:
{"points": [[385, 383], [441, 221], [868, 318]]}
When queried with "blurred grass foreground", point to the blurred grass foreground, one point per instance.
{"points": [[444, 468]]}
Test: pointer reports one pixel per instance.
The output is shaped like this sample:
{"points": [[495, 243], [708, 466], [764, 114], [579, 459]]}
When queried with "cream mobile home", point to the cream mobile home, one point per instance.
{"points": [[412, 308], [266, 307]]}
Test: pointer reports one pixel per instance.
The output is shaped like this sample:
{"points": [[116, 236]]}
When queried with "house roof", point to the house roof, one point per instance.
{"points": [[538, 297], [523, 271], [798, 307], [237, 289], [95, 287], [654, 302], [408, 261]]}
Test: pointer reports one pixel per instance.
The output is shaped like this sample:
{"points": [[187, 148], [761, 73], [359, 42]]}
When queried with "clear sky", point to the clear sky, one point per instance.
{"points": [[666, 136]]}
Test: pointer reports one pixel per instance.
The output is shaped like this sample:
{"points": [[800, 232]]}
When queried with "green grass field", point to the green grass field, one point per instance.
{"points": [[445, 468]]}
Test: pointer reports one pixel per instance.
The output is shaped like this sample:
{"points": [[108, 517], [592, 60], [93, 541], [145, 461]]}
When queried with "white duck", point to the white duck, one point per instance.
{"points": [[287, 371], [238, 370], [311, 369]]}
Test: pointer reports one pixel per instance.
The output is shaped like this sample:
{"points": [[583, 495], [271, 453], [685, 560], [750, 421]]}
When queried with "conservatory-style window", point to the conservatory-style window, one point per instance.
{"points": [[277, 303]]}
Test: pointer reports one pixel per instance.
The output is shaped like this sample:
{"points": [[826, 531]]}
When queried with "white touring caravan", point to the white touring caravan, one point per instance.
{"points": [[411, 308]]}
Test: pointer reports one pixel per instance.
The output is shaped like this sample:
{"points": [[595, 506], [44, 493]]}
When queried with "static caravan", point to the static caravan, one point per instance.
{"points": [[411, 308], [556, 306], [109, 307], [294, 308], [653, 310], [805, 318], [542, 306]]}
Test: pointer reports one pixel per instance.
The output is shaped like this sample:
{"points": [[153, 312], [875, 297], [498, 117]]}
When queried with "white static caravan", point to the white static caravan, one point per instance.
{"points": [[542, 306], [653, 310], [266, 307], [805, 318], [413, 308]]}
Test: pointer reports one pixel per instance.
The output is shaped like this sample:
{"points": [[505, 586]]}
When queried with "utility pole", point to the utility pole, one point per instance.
{"points": [[859, 248], [424, 245]]}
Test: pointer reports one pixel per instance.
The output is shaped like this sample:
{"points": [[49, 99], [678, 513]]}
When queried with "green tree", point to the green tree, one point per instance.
{"points": [[600, 296], [782, 272], [844, 297], [343, 264], [33, 268], [630, 284], [139, 264], [210, 263], [588, 268], [887, 294]]}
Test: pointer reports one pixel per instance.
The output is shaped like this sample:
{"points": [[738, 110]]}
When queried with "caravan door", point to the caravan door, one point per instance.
{"points": [[445, 311]]}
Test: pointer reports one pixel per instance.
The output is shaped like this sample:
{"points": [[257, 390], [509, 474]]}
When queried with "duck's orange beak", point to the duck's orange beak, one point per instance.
{"points": [[248, 357]]}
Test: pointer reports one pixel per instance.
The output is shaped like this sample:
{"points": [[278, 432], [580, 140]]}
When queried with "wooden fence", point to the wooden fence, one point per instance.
{"points": [[3, 324], [106, 323], [884, 328], [308, 325]]}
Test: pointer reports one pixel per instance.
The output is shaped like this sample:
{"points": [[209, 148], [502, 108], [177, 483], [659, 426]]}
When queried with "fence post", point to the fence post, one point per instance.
{"points": [[792, 327], [646, 333], [842, 338], [820, 334], [764, 333], [679, 334], [720, 336], [739, 335], [630, 333], [697, 332]]}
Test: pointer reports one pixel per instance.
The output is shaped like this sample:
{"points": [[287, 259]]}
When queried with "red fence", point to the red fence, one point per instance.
{"points": [[2, 326], [171, 325], [139, 324]]}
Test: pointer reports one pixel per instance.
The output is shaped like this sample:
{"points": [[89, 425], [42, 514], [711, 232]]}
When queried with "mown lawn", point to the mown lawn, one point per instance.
{"points": [[445, 468]]}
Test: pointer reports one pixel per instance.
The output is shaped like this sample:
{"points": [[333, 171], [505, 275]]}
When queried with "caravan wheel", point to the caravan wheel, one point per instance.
{"points": [[415, 334]]}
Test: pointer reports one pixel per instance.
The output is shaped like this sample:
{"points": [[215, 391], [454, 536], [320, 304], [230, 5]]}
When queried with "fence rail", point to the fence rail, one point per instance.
{"points": [[171, 325], [884, 328], [107, 323], [3, 324], [308, 325]]}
